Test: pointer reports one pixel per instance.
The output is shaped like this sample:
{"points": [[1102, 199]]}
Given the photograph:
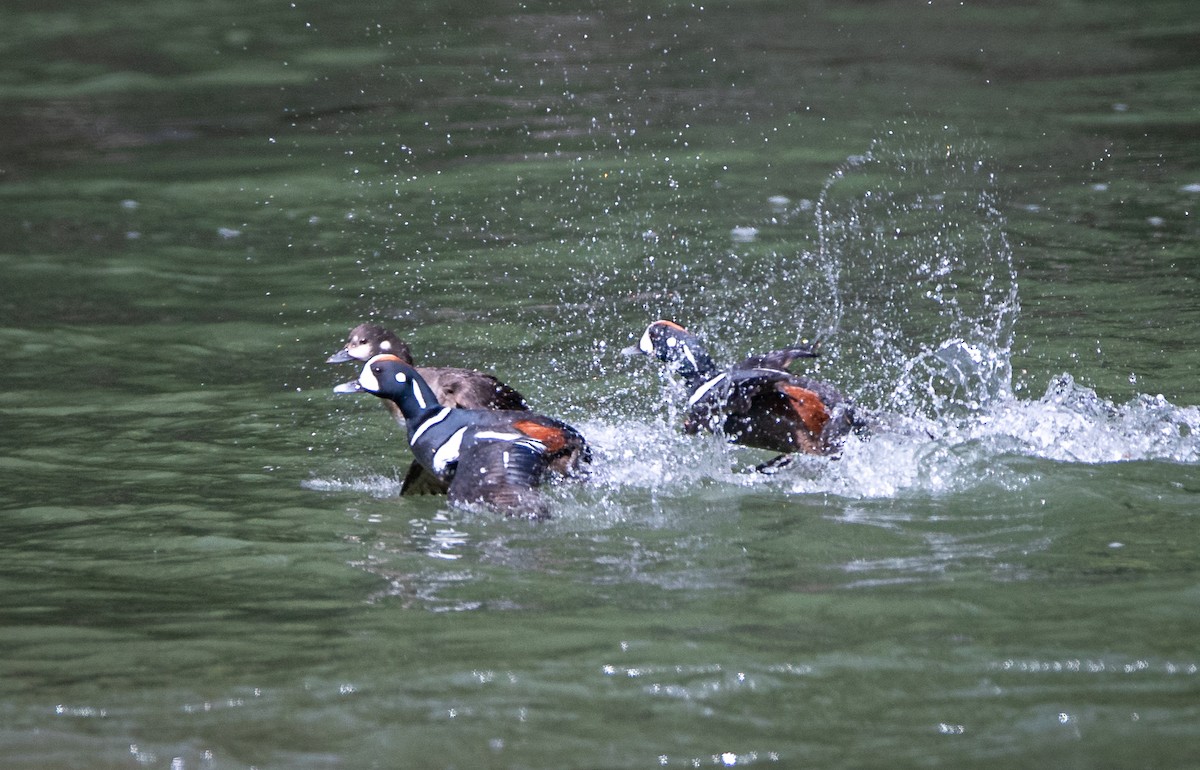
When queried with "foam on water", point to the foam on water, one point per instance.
{"points": [[373, 484], [906, 454], [1071, 423], [653, 455]]}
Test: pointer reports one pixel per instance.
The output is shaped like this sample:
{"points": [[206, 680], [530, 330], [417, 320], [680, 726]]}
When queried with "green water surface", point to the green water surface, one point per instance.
{"points": [[204, 562]]}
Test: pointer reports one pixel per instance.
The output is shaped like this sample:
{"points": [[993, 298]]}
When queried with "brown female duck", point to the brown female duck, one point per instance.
{"points": [[453, 386]]}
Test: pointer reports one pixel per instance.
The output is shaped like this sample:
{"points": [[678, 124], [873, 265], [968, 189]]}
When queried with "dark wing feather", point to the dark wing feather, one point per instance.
{"points": [[736, 395], [743, 387], [420, 481], [567, 452], [504, 397], [501, 475], [779, 359], [765, 408]]}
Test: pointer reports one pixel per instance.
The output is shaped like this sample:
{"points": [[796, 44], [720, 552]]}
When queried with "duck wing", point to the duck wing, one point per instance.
{"points": [[420, 481], [779, 359], [844, 416], [501, 474], [745, 387], [766, 408], [567, 452]]}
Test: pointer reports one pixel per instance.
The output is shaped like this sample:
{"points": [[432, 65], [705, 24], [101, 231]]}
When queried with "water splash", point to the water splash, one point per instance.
{"points": [[374, 485], [920, 274], [914, 293], [1002, 446], [1071, 423]]}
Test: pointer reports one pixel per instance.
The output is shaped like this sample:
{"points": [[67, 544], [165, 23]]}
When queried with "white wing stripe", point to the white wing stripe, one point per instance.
{"points": [[488, 435]]}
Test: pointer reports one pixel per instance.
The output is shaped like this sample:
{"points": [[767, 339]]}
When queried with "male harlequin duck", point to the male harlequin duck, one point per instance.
{"points": [[454, 387], [491, 457], [757, 402]]}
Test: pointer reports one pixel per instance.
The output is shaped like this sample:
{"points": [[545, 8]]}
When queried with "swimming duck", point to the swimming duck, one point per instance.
{"points": [[496, 458], [756, 402], [454, 387]]}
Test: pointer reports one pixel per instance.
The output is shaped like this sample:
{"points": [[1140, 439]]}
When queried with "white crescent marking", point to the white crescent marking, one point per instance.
{"points": [[448, 452], [488, 435], [434, 420], [703, 389]]}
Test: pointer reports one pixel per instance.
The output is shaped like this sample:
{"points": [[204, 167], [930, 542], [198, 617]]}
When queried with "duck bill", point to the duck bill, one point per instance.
{"points": [[349, 387], [633, 350], [340, 357]]}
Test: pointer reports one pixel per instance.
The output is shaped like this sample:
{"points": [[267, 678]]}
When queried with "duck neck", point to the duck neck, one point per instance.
{"points": [[695, 366], [417, 402], [693, 380]]}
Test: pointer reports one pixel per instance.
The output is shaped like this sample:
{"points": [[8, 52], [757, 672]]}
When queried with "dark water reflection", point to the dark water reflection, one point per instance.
{"points": [[203, 561]]}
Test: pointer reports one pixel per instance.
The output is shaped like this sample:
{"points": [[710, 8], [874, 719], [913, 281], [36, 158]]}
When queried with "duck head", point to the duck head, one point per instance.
{"points": [[389, 377], [368, 340], [676, 347]]}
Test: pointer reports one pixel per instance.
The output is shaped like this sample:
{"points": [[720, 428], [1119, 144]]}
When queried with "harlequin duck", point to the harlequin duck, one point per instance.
{"points": [[757, 402], [491, 457], [454, 387]]}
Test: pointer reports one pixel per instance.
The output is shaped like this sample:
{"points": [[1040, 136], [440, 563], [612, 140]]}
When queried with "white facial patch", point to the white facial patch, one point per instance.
{"points": [[401, 377], [644, 344], [385, 345], [368, 380]]}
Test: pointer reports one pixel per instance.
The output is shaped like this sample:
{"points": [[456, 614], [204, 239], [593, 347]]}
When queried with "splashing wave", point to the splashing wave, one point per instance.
{"points": [[907, 454]]}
